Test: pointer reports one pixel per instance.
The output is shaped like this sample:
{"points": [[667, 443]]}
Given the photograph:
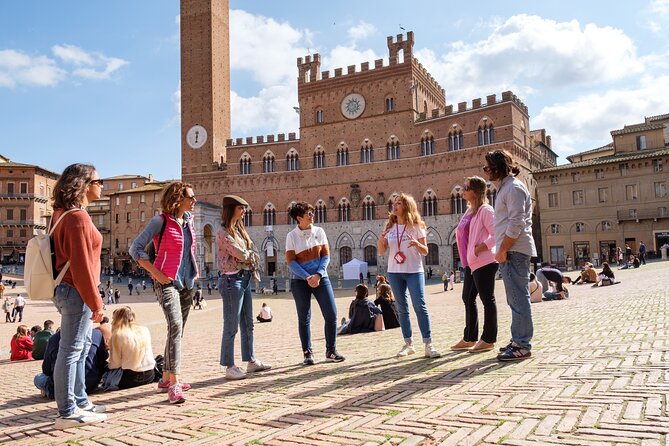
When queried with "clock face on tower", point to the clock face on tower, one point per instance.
{"points": [[353, 105], [196, 136]]}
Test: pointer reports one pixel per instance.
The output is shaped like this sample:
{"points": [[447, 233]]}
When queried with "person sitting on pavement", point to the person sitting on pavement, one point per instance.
{"points": [[606, 277], [362, 313], [536, 289], [96, 363], [265, 314], [21, 344], [386, 300], [41, 339], [558, 291], [130, 350], [635, 262], [588, 275]]}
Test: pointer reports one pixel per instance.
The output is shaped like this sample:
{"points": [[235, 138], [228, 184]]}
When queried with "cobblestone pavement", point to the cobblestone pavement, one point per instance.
{"points": [[598, 376]]}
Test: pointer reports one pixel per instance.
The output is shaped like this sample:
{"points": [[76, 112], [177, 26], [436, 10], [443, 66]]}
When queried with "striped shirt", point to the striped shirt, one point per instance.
{"points": [[307, 252]]}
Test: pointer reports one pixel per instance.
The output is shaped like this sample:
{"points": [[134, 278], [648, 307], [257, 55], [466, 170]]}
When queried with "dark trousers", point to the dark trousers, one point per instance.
{"points": [[131, 379], [18, 312], [482, 283]]}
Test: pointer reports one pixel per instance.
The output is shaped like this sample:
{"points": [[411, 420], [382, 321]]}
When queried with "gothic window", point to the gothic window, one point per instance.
{"points": [[391, 200], [292, 160], [342, 155], [321, 212], [245, 165], [268, 163], [368, 208], [367, 153], [429, 204], [319, 117], [248, 217], [393, 150], [289, 219], [458, 204], [345, 254], [427, 145], [370, 255], [390, 104], [344, 211], [486, 133], [269, 215], [432, 254], [456, 141], [319, 158]]}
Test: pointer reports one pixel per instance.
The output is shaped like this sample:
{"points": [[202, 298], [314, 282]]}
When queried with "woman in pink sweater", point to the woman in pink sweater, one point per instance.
{"points": [[475, 236]]}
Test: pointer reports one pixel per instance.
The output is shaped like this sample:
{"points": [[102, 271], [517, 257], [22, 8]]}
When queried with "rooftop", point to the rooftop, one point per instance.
{"points": [[617, 158]]}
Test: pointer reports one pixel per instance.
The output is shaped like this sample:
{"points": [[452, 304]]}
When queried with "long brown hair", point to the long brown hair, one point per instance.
{"points": [[238, 229], [384, 292], [70, 189], [21, 330], [172, 194], [411, 215], [478, 186], [502, 164]]}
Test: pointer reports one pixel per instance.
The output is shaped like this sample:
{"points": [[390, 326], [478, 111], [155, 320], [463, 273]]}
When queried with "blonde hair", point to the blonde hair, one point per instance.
{"points": [[21, 330], [411, 215], [172, 194], [478, 186], [124, 325]]}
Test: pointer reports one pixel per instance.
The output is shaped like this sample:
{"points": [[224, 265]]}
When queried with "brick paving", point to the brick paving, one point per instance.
{"points": [[599, 376]]}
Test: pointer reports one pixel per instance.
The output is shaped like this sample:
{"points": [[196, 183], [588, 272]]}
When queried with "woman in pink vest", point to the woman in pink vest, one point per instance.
{"points": [[174, 271], [475, 236]]}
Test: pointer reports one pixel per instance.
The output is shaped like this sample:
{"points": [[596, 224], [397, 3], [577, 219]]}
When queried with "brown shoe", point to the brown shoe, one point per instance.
{"points": [[481, 346], [462, 345]]}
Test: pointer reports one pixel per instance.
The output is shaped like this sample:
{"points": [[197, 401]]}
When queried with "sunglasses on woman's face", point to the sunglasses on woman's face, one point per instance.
{"points": [[98, 182], [466, 187]]}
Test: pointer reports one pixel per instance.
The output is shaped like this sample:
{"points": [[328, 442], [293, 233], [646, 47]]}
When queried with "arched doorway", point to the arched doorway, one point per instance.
{"points": [[208, 249]]}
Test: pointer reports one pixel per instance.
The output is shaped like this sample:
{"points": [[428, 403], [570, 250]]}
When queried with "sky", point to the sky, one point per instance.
{"points": [[98, 82]]}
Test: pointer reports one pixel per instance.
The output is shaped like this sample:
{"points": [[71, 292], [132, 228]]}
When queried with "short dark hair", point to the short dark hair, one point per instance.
{"points": [[48, 324], [299, 209], [361, 291]]}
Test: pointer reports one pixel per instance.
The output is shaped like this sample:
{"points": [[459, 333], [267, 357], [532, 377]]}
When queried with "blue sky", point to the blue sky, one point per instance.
{"points": [[99, 81]]}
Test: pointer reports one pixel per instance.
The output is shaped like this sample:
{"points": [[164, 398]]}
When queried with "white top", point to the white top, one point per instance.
{"points": [[130, 349], [266, 312], [19, 301], [413, 262]]}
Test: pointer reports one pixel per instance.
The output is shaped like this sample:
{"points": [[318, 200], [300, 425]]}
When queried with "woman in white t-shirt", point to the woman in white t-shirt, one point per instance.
{"points": [[404, 240]]}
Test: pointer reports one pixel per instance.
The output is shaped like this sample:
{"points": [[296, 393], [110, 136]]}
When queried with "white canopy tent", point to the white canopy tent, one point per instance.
{"points": [[353, 269]]}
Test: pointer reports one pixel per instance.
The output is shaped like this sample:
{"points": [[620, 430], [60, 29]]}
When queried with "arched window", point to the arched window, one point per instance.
{"points": [[580, 226], [427, 145], [321, 212], [491, 193], [368, 208], [458, 204], [390, 104], [344, 210], [248, 217], [486, 132], [606, 225], [269, 215], [393, 149], [292, 160], [429, 204], [555, 228], [268, 163], [319, 158], [320, 119], [245, 164], [432, 254], [345, 254], [289, 219], [367, 152], [370, 255], [342, 155], [456, 141]]}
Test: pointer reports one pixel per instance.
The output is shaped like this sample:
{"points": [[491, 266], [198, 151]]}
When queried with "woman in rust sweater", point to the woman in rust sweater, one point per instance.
{"points": [[77, 244]]}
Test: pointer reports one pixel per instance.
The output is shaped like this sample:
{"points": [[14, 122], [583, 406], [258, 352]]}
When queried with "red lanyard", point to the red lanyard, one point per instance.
{"points": [[399, 238]]}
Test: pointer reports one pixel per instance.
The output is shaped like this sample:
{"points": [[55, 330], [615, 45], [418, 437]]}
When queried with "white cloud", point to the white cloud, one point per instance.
{"points": [[585, 122], [527, 53], [269, 112], [18, 68], [90, 65], [361, 31], [266, 48], [343, 56], [658, 15]]}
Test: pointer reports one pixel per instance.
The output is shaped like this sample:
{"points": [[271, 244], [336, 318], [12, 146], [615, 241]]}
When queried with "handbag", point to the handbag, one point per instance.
{"points": [[378, 322]]}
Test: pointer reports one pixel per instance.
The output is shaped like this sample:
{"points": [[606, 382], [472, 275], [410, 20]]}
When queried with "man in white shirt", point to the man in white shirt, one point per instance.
{"points": [[19, 303]]}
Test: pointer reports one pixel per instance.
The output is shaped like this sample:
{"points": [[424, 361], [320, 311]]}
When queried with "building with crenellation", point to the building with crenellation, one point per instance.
{"points": [[367, 132]]}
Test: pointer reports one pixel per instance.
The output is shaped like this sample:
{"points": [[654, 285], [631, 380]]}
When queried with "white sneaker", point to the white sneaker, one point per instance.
{"points": [[79, 418], [407, 350], [430, 352], [257, 366], [96, 408], [234, 373]]}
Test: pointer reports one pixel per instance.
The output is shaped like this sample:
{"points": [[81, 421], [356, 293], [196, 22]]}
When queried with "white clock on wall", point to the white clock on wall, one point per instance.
{"points": [[353, 105], [196, 136]]}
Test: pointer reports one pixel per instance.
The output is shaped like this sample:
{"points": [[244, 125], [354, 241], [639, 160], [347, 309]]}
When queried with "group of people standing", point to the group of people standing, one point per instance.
{"points": [[489, 238]]}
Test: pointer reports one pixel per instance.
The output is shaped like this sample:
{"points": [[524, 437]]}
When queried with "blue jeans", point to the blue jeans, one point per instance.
{"points": [[325, 297], [415, 282], [235, 291], [516, 276], [76, 328], [42, 382]]}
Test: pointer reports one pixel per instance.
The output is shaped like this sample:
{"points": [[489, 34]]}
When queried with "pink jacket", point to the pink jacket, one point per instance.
{"points": [[481, 230], [168, 258]]}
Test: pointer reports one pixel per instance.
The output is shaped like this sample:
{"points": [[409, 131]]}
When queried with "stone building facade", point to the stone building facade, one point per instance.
{"points": [[366, 133], [608, 197], [25, 206]]}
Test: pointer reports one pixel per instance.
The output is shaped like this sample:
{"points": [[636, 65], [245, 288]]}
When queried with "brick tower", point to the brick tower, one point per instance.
{"points": [[205, 84]]}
